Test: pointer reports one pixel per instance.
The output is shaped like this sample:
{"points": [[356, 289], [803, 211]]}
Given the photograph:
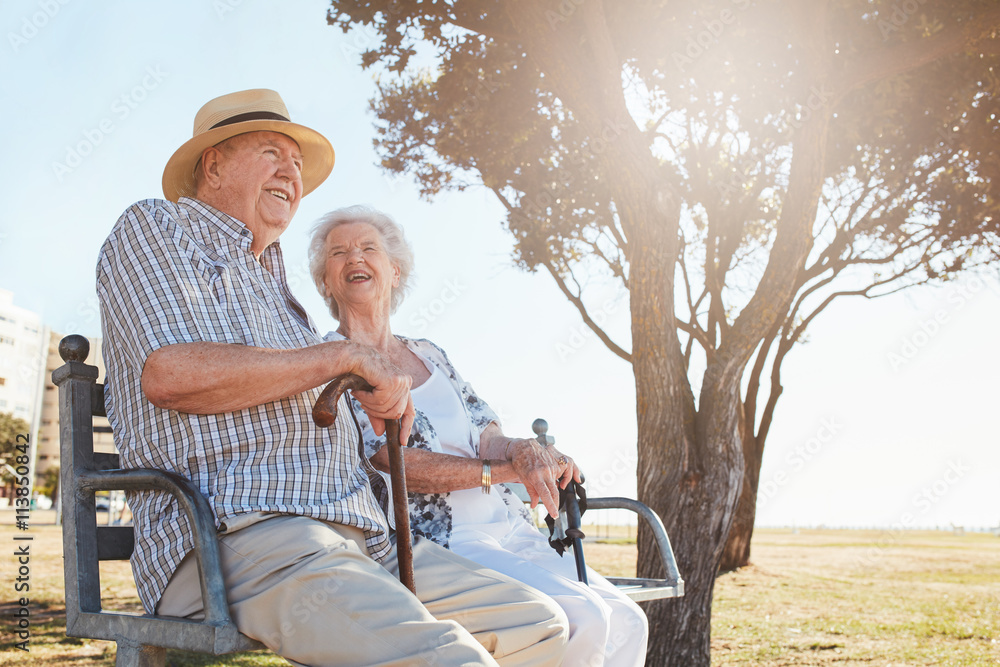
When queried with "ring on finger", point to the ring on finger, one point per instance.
{"points": [[561, 460]]}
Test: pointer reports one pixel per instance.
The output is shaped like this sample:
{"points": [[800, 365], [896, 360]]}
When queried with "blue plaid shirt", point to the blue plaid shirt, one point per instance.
{"points": [[180, 273]]}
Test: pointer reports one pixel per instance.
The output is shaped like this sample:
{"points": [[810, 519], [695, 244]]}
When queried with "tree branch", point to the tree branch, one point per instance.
{"points": [[578, 302], [883, 63]]}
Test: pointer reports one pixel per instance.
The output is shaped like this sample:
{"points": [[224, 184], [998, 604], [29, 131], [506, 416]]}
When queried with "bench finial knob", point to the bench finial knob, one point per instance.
{"points": [[74, 348], [541, 429]]}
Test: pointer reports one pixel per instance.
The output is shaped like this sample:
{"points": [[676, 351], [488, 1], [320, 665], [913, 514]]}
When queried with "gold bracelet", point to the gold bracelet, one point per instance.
{"points": [[487, 477]]}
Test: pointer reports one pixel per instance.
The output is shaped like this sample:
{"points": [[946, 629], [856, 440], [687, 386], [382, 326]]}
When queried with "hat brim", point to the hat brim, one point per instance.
{"points": [[317, 155]]}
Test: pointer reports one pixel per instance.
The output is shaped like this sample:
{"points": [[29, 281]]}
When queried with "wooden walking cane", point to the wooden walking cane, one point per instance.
{"points": [[324, 414]]}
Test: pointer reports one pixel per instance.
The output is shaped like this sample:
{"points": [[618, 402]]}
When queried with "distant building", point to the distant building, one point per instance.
{"points": [[23, 346], [48, 432], [23, 350], [29, 352]]}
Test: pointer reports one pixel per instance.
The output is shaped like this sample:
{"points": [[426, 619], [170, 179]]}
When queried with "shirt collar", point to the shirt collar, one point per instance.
{"points": [[236, 230]]}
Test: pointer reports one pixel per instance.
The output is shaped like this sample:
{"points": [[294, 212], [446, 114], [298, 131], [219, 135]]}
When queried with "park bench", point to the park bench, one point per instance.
{"points": [[637, 588], [142, 639]]}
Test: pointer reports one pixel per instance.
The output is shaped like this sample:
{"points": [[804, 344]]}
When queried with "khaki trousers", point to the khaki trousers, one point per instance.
{"points": [[307, 590]]}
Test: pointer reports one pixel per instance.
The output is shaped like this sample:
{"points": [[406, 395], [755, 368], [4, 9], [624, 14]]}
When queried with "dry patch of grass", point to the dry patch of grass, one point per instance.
{"points": [[48, 644], [812, 598], [861, 597]]}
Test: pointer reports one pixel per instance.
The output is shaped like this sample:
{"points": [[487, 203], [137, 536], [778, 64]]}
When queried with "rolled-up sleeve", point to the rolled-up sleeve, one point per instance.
{"points": [[151, 293]]}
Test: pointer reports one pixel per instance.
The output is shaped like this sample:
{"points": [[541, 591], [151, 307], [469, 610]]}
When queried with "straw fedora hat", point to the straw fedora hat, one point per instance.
{"points": [[237, 113]]}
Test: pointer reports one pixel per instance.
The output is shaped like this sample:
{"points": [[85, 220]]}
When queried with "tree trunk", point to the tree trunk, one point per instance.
{"points": [[690, 462], [700, 508], [737, 551], [690, 468]]}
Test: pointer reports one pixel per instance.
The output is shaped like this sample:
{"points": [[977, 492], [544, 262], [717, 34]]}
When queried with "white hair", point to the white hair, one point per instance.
{"points": [[395, 243]]}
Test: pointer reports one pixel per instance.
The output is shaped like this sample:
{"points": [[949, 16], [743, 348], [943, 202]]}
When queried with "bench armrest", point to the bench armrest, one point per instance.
{"points": [[673, 580], [199, 513]]}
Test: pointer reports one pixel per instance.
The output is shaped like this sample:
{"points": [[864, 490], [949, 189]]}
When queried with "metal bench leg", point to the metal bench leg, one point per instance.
{"points": [[140, 655]]}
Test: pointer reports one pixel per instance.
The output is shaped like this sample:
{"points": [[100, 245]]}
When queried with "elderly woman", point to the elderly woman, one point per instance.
{"points": [[457, 457]]}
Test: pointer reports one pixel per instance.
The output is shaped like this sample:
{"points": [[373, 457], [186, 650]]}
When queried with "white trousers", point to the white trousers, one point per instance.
{"points": [[606, 627]]}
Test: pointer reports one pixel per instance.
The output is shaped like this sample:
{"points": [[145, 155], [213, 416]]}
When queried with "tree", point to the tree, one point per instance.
{"points": [[49, 485], [11, 447], [736, 165]]}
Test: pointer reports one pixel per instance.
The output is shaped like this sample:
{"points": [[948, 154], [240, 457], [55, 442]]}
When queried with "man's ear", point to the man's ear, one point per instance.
{"points": [[210, 168]]}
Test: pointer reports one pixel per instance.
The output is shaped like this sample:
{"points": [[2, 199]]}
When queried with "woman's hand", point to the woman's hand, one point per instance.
{"points": [[542, 470]]}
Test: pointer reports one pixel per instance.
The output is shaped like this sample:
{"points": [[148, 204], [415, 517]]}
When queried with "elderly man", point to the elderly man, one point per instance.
{"points": [[212, 370]]}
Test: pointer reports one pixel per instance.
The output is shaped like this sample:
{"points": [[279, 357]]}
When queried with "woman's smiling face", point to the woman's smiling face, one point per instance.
{"points": [[359, 272]]}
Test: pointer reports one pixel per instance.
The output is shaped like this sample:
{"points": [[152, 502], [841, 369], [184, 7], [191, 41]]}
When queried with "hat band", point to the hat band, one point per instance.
{"points": [[251, 115]]}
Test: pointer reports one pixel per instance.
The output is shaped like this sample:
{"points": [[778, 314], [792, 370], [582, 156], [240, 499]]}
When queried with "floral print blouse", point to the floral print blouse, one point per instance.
{"points": [[431, 513]]}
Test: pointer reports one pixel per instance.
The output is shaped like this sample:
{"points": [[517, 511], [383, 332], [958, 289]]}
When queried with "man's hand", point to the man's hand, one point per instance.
{"points": [[390, 398]]}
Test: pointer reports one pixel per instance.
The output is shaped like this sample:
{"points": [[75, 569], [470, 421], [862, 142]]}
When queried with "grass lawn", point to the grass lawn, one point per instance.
{"points": [[861, 598], [811, 598]]}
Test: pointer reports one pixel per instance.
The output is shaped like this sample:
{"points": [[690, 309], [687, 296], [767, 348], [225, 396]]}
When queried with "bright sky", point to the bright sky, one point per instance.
{"points": [[97, 96]]}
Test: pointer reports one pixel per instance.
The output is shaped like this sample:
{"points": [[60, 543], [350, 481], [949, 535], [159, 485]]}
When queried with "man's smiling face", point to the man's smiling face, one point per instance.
{"points": [[259, 183]]}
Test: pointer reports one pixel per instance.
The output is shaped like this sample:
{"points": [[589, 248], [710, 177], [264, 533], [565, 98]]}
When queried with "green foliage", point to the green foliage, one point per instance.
{"points": [[49, 483], [10, 428], [724, 97], [721, 90], [12, 446]]}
